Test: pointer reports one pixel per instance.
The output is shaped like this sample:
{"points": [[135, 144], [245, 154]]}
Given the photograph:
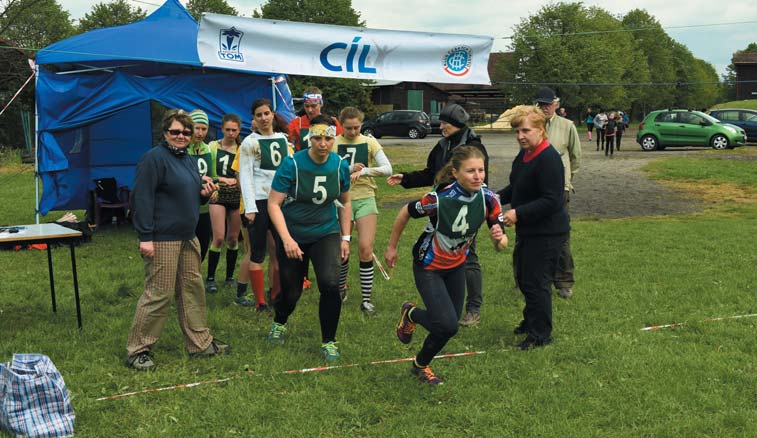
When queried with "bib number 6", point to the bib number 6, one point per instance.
{"points": [[275, 153], [319, 189]]}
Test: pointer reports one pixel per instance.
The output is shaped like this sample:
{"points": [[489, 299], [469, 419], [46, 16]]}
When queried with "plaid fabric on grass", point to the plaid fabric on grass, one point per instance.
{"points": [[34, 400]]}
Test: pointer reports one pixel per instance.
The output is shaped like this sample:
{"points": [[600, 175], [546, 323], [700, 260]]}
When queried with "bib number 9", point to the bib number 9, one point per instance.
{"points": [[202, 166]]}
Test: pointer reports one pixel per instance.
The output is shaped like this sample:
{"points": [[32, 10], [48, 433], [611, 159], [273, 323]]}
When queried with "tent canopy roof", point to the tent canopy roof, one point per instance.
{"points": [[167, 36]]}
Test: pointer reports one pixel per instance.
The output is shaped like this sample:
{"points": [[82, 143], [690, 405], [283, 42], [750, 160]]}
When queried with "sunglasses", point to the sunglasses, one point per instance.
{"points": [[176, 132]]}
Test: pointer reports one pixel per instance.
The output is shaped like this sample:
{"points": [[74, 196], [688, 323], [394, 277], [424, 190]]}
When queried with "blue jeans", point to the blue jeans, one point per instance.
{"points": [[443, 294]]}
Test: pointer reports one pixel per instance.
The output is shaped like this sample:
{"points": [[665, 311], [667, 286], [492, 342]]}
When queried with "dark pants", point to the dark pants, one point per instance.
{"points": [[443, 293], [325, 255], [618, 136], [473, 281], [600, 138], [609, 142], [565, 267], [203, 232], [535, 259], [258, 232]]}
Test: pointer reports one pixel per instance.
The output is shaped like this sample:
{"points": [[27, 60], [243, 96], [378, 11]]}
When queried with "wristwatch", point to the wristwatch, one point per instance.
{"points": [[347, 238]]}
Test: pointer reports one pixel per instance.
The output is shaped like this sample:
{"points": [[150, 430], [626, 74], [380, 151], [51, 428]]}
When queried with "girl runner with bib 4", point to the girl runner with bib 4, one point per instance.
{"points": [[456, 210], [301, 206]]}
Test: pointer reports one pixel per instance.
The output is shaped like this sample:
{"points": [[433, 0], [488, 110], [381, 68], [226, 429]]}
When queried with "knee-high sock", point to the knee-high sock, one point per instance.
{"points": [[241, 289], [214, 254], [366, 279], [258, 285], [231, 261], [344, 270]]}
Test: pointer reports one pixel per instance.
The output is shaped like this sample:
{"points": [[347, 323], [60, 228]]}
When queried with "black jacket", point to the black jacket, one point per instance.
{"points": [[439, 156]]}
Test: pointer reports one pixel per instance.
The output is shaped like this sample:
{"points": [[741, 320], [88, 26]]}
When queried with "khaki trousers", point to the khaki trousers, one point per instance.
{"points": [[174, 271]]}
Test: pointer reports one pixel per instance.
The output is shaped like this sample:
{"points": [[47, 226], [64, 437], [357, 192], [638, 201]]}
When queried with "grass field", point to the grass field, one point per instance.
{"points": [[601, 377], [748, 104]]}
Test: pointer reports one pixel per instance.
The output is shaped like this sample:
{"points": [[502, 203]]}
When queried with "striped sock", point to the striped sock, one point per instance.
{"points": [[344, 270], [366, 280]]}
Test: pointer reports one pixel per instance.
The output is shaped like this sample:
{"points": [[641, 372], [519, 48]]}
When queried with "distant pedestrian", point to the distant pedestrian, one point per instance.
{"points": [[620, 128], [600, 120], [589, 122], [563, 113], [610, 129]]}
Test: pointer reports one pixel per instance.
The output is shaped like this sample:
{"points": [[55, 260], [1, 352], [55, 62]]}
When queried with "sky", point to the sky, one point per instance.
{"points": [[714, 44]]}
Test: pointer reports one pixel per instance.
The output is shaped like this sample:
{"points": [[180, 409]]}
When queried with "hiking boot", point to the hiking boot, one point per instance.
{"points": [[276, 335], [216, 348], [368, 308], [531, 342], [330, 351], [520, 329], [470, 319], [425, 375], [565, 292], [210, 286], [343, 292], [405, 328], [141, 361], [245, 301]]}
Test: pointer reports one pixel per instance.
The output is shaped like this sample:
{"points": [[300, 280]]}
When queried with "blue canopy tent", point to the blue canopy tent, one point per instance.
{"points": [[96, 94]]}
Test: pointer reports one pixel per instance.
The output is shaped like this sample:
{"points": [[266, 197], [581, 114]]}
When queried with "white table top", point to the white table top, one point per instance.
{"points": [[50, 231]]}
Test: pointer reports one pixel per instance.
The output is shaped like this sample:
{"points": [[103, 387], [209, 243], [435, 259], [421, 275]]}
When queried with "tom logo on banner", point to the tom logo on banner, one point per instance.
{"points": [[229, 43]]}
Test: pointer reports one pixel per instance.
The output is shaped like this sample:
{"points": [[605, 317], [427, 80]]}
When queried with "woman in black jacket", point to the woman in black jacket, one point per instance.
{"points": [[535, 195]]}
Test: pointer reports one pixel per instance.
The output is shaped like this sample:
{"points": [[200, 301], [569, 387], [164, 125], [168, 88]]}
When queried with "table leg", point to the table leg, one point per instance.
{"points": [[76, 283], [52, 279]]}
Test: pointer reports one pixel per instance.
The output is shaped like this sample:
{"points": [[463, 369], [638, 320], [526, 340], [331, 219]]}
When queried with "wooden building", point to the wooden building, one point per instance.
{"points": [[746, 75]]}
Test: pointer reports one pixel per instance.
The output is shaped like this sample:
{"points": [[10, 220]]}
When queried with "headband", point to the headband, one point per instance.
{"points": [[322, 130], [313, 98]]}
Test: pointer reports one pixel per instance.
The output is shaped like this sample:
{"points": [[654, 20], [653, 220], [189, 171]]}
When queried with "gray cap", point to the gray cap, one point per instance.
{"points": [[546, 95], [454, 114]]}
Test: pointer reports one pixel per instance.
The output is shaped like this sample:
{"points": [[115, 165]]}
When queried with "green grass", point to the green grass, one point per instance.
{"points": [[747, 104], [601, 377]]}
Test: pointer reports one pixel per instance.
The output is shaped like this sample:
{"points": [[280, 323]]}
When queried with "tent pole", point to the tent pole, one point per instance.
{"points": [[36, 147], [273, 92]]}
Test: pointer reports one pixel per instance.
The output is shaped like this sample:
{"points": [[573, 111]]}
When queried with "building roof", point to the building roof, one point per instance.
{"points": [[745, 58]]}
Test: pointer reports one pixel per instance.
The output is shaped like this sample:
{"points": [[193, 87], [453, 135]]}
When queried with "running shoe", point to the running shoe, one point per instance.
{"points": [[425, 375], [216, 348], [343, 292], [141, 361], [245, 301], [306, 284], [210, 286], [330, 351], [276, 335], [368, 308], [405, 328]]}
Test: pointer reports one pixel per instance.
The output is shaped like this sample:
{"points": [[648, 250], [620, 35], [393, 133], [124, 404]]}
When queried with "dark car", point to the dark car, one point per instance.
{"points": [[678, 127], [402, 123], [745, 119], [435, 124]]}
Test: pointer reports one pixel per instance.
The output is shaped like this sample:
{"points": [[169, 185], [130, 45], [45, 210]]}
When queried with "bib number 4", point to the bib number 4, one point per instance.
{"points": [[460, 225]]}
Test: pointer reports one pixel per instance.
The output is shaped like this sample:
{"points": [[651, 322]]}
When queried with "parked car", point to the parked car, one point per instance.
{"points": [[676, 127], [435, 124], [745, 119], [402, 123]]}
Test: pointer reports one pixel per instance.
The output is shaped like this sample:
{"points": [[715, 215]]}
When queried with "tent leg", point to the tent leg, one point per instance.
{"points": [[273, 92], [36, 148]]}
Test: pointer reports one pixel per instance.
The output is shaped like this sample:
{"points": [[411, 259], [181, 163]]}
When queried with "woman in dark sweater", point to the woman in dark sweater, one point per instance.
{"points": [[535, 195]]}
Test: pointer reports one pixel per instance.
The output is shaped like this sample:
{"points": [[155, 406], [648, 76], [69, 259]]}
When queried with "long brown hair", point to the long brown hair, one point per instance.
{"points": [[236, 119], [459, 154]]}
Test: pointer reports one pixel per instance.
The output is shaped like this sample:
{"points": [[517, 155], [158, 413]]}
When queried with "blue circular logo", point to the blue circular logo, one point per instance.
{"points": [[457, 61]]}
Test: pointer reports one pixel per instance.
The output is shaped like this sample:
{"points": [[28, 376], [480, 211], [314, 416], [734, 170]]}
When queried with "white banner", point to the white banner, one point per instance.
{"points": [[273, 46]]}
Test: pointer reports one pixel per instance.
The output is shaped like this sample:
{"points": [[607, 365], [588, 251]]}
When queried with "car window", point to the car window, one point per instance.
{"points": [[383, 117], [727, 115], [665, 117], [690, 118], [749, 117]]}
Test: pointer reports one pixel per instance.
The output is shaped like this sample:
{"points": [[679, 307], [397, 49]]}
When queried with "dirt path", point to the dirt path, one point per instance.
{"points": [[604, 187]]}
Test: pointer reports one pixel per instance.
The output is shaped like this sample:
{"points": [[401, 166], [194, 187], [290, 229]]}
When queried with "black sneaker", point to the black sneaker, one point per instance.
{"points": [[531, 342], [141, 361], [521, 329], [210, 286], [215, 348]]}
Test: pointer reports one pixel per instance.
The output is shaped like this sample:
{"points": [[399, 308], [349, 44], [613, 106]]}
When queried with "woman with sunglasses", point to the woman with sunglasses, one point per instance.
{"points": [[302, 207], [224, 212], [168, 192]]}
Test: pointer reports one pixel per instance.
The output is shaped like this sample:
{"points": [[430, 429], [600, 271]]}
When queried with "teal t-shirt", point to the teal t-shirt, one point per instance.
{"points": [[311, 190]]}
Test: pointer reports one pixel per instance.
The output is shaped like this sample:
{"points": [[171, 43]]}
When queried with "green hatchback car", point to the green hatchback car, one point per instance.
{"points": [[676, 127]]}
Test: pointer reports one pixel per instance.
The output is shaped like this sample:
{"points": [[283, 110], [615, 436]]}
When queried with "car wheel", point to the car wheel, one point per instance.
{"points": [[719, 142], [413, 133], [649, 143], [369, 132]]}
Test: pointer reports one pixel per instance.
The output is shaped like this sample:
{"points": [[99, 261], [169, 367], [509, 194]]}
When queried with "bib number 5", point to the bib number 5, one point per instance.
{"points": [[319, 189]]}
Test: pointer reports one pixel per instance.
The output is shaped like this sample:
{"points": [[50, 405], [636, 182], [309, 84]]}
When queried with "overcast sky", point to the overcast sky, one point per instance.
{"points": [[496, 18]]}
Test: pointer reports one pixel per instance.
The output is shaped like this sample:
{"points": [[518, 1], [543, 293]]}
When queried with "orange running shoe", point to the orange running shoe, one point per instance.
{"points": [[425, 375], [405, 328], [306, 283]]}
